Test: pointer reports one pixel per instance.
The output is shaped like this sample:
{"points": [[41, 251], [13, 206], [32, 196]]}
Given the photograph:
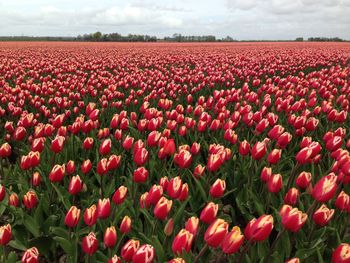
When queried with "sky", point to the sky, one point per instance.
{"points": [[240, 19]]}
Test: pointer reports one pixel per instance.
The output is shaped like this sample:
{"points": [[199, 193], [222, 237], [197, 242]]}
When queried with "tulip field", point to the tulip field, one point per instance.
{"points": [[165, 152]]}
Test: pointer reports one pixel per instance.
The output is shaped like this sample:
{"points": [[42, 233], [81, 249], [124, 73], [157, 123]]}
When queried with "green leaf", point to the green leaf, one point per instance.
{"points": [[201, 190], [31, 225], [17, 245], [64, 199], [12, 257], [65, 244], [59, 231], [180, 211], [159, 249]]}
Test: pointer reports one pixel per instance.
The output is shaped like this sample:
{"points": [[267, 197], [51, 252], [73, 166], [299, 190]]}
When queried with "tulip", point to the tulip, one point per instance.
{"points": [[5, 150], [88, 143], [258, 151], [70, 167], [169, 227], [198, 171], [125, 225], [75, 185], [303, 180], [2, 192], [114, 161], [13, 200], [120, 195], [154, 194], [34, 159], [89, 244], [57, 173], [216, 232], [5, 234], [110, 237], [57, 144], [291, 196], [174, 187], [30, 200], [292, 218], [293, 260], [103, 208], [192, 225], [102, 167], [72, 217], [162, 208], [209, 213], [90, 215], [114, 259], [259, 229], [129, 249], [304, 155], [274, 156], [325, 188], [341, 254], [86, 166], [31, 255], [343, 200], [244, 148], [183, 159], [145, 254], [141, 156], [275, 184], [177, 260], [182, 242], [140, 175], [214, 162], [232, 241], [323, 215], [105, 147], [217, 189], [128, 142]]}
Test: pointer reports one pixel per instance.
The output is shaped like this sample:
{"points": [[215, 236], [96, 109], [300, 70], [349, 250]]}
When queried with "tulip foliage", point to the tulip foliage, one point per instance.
{"points": [[174, 152]]}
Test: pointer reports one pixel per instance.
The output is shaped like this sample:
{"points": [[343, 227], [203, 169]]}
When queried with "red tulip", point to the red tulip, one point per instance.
{"points": [[75, 185], [102, 167], [86, 166], [140, 175], [341, 254], [325, 188], [216, 232], [291, 196], [120, 195], [258, 151], [182, 242], [141, 156], [259, 229], [303, 180], [88, 143], [89, 244], [145, 254], [183, 159], [125, 225], [323, 215], [13, 200], [209, 213], [169, 227], [343, 200], [30, 200], [192, 225], [105, 147], [214, 162], [275, 183], [154, 194], [110, 237], [162, 208], [114, 259], [2, 192], [57, 144], [293, 260], [70, 167], [72, 217], [174, 187], [57, 173], [292, 218], [5, 234], [233, 240], [5, 150], [103, 208], [90, 215], [274, 156], [129, 249], [217, 189], [31, 255]]}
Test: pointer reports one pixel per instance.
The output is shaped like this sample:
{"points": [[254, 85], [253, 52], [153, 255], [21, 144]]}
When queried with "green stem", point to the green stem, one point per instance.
{"points": [[274, 244], [201, 253], [244, 251]]}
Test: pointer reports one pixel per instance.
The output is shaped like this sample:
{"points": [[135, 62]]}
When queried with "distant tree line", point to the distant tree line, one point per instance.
{"points": [[321, 39], [116, 37]]}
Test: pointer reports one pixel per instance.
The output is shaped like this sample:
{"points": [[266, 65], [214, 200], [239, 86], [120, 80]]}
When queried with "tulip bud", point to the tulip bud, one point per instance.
{"points": [[218, 188], [103, 208], [244, 148], [192, 225], [162, 208], [31, 255], [183, 159], [2, 192], [323, 215], [114, 259], [182, 241], [88, 143], [341, 254], [177, 260], [129, 249], [57, 144], [342, 201], [140, 175], [303, 180], [75, 185], [70, 167], [232, 241], [30, 200], [209, 213], [5, 150], [86, 166], [120, 195], [125, 225], [274, 184], [274, 156], [325, 188], [90, 215], [89, 244], [154, 194], [292, 218], [216, 232], [169, 227], [110, 237], [72, 217], [198, 171], [259, 229], [5, 234], [102, 167], [291, 196], [293, 260], [258, 151], [145, 254], [13, 200], [169, 147], [57, 173]]}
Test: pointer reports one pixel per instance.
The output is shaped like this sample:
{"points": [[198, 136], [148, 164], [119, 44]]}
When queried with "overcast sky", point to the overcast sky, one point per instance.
{"points": [[241, 19]]}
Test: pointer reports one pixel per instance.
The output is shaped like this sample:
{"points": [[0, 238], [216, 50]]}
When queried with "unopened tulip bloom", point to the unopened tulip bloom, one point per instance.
{"points": [[325, 188], [145, 254], [275, 183], [209, 213], [323, 215], [72, 217], [110, 237], [90, 215], [90, 244], [169, 227], [274, 156], [177, 260], [183, 159], [75, 185], [292, 218], [217, 189], [258, 151], [5, 234], [174, 187], [293, 260], [125, 225], [244, 148], [103, 208], [265, 174], [120, 195], [140, 175], [31, 255], [30, 199], [5, 150], [105, 147], [13, 200], [2, 192], [57, 173], [115, 259], [291, 196], [182, 241], [341, 254], [129, 249], [343, 200], [259, 229], [232, 241], [216, 232], [303, 180], [57, 144], [162, 208]]}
